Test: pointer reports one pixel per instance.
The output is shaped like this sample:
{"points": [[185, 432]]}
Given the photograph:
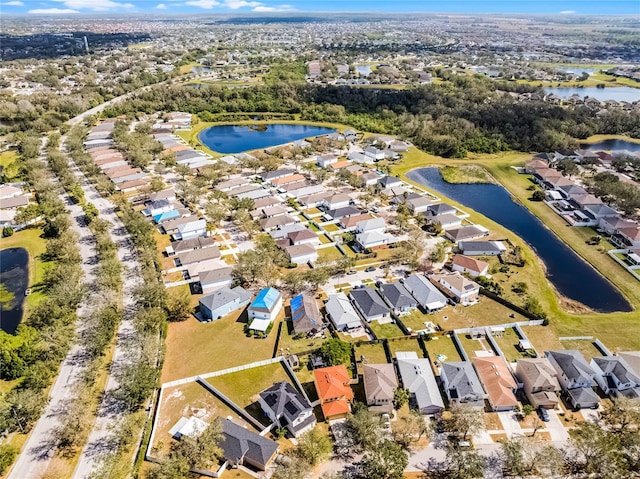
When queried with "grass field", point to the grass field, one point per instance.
{"points": [[197, 348], [465, 174], [543, 338], [405, 345], [30, 239], [329, 254], [388, 330], [373, 353], [442, 345], [416, 319], [566, 317], [294, 346], [9, 165], [587, 348], [508, 343]]}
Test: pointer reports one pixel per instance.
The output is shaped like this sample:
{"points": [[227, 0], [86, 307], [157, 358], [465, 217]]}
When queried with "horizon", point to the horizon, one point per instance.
{"points": [[76, 8]]}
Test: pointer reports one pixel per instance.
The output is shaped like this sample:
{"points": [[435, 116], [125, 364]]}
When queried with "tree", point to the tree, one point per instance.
{"points": [[8, 454], [364, 427], [597, 451], [7, 231], [464, 421], [386, 461], [178, 306], [400, 397], [314, 447], [409, 429], [464, 464], [335, 351], [295, 468], [568, 167], [538, 195], [533, 305]]}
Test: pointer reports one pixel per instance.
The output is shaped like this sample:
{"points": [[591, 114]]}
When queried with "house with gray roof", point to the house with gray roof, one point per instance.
{"points": [[417, 376], [426, 294], [380, 383], [389, 182], [539, 381], [615, 377], [440, 209], [461, 384], [398, 297], [223, 301], [370, 305], [576, 377], [341, 313], [287, 408], [464, 233], [215, 279], [240, 446], [481, 248]]}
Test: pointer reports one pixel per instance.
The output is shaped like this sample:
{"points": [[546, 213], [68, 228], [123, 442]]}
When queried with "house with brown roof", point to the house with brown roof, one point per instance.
{"points": [[380, 383], [473, 267], [334, 390], [540, 382], [497, 382]]}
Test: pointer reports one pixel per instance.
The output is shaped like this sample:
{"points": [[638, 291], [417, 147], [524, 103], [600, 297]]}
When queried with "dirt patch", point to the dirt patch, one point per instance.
{"points": [[498, 437]]}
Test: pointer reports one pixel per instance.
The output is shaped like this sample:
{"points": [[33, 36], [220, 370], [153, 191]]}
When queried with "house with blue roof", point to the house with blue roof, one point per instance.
{"points": [[264, 309], [165, 216]]}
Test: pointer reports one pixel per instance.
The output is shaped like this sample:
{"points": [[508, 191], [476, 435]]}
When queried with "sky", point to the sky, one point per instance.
{"points": [[555, 7]]}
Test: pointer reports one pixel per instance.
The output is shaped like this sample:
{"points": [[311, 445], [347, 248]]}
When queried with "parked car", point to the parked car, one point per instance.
{"points": [[352, 271], [370, 269], [544, 414]]}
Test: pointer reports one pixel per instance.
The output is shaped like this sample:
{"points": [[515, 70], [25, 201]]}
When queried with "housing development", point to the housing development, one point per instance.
{"points": [[319, 247]]}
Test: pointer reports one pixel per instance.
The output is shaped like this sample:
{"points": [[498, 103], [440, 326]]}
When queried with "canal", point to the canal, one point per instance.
{"points": [[14, 275], [570, 274]]}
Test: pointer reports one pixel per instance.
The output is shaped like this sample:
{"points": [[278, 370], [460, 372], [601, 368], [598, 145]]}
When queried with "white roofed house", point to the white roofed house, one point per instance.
{"points": [[191, 229], [302, 253], [374, 153], [223, 302], [325, 160], [370, 225], [417, 376], [341, 313], [418, 204], [374, 239], [481, 248], [214, 279], [339, 200]]}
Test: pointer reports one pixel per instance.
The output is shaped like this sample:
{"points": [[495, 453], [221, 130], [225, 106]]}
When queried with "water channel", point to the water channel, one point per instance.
{"points": [[570, 274], [14, 275]]}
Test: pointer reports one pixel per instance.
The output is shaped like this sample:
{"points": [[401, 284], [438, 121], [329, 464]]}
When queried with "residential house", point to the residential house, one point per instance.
{"points": [[302, 253], [223, 301], [242, 447], [192, 229], [342, 212], [425, 293], [273, 175], [305, 314], [633, 360], [334, 391], [576, 377], [473, 267], [497, 382], [341, 313], [350, 135], [184, 246], [265, 308], [539, 380], [370, 305], [419, 204], [374, 153], [350, 223], [398, 297], [463, 290], [370, 178], [371, 225], [304, 236], [325, 160], [374, 239], [269, 224], [287, 408], [417, 377], [615, 377], [461, 384], [204, 257], [447, 221], [339, 200], [440, 209], [214, 279], [380, 384], [390, 182], [481, 248], [465, 233], [285, 230]]}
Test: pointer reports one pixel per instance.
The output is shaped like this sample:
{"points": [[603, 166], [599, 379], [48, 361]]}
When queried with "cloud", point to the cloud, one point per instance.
{"points": [[208, 4], [567, 12], [161, 6], [279, 8], [52, 11], [235, 4], [14, 3], [95, 5]]}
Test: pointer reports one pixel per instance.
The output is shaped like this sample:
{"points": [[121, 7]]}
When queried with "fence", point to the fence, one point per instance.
{"points": [[458, 345], [508, 304], [536, 322], [576, 338]]}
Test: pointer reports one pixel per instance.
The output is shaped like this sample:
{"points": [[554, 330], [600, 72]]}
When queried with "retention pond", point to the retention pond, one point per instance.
{"points": [[14, 275]]}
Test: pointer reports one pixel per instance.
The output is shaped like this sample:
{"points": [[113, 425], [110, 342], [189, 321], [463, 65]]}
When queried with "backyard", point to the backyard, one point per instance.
{"points": [[508, 343], [388, 330], [586, 347], [409, 344], [442, 346]]}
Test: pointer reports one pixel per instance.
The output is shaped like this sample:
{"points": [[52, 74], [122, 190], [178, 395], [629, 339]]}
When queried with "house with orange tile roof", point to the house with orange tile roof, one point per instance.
{"points": [[497, 382], [334, 391], [465, 264]]}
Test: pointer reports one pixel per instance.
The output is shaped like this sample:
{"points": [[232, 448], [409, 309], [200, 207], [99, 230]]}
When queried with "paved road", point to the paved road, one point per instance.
{"points": [[39, 447]]}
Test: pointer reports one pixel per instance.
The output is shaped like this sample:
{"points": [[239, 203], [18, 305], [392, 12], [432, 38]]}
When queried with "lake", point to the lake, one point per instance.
{"points": [[237, 138], [622, 93], [611, 145], [364, 70], [14, 275], [572, 276]]}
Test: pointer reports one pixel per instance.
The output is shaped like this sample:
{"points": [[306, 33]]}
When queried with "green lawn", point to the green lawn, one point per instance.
{"points": [[587, 348], [465, 174], [442, 345], [329, 254], [373, 353], [197, 348], [566, 318], [296, 345], [406, 345], [389, 330], [10, 167], [543, 338], [508, 343], [472, 345], [323, 239], [416, 319], [30, 239]]}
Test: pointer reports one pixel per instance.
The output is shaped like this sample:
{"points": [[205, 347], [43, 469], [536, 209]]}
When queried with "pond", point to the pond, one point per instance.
{"points": [[572, 276], [14, 275], [364, 70], [611, 145], [622, 93], [237, 138]]}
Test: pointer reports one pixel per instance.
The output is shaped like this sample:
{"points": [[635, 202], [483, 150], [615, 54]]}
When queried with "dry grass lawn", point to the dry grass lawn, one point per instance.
{"points": [[492, 421], [197, 348], [406, 345], [543, 338], [587, 348], [442, 345]]}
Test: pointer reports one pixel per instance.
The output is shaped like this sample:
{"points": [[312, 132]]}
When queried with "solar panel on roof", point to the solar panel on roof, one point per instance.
{"points": [[270, 399], [291, 408]]}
